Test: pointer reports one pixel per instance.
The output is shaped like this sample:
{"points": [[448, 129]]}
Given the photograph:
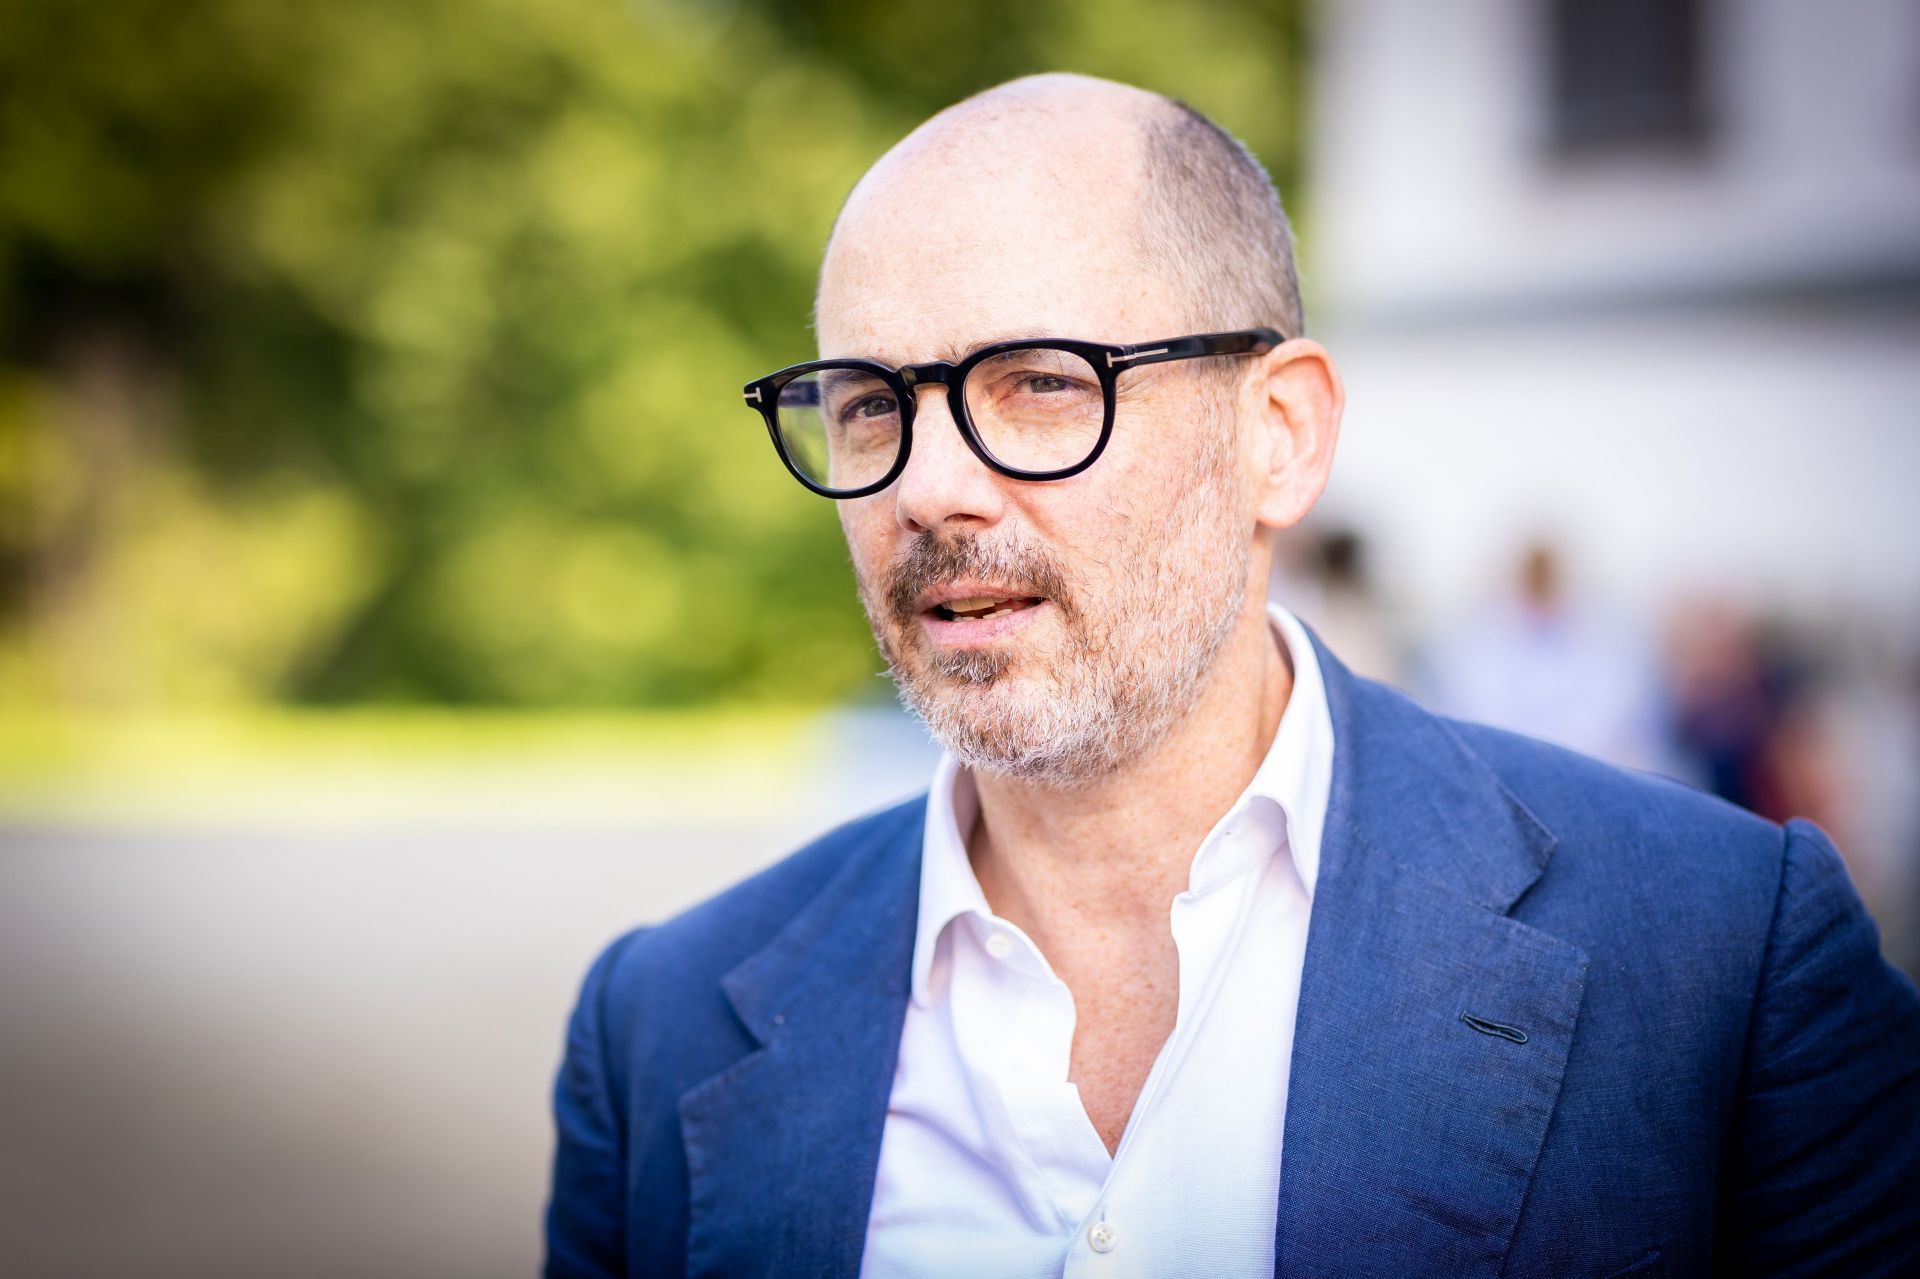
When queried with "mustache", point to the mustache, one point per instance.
{"points": [[934, 561]]}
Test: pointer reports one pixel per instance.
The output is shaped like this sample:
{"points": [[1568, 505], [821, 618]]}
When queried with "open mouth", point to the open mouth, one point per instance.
{"points": [[980, 608]]}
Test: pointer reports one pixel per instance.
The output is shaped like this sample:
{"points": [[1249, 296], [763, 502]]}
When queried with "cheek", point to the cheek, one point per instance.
{"points": [[1095, 527], [868, 525], [1137, 500], [1135, 483]]}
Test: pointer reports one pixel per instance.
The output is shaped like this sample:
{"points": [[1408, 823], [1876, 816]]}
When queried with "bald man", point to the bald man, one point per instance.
{"points": [[1200, 955]]}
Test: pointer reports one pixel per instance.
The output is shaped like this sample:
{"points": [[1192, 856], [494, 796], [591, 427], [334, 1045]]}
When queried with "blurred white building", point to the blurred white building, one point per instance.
{"points": [[1641, 278], [1639, 275]]}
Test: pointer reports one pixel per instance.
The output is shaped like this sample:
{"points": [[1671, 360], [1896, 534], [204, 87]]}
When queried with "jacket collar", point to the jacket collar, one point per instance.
{"points": [[1405, 783]]}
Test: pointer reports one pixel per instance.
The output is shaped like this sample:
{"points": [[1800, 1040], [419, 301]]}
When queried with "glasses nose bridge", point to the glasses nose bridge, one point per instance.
{"points": [[941, 373], [932, 373]]}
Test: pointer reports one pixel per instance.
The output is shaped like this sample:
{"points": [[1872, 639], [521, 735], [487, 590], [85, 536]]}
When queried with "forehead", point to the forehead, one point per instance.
{"points": [[1026, 230]]}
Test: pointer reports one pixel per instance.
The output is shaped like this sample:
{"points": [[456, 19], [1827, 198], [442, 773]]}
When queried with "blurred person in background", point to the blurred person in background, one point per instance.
{"points": [[1905, 817], [1744, 715], [1818, 723], [1065, 1011], [1326, 581], [1542, 662]]}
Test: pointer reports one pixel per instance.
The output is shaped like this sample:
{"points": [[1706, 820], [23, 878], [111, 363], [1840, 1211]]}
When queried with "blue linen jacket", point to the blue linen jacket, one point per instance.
{"points": [[1556, 1019]]}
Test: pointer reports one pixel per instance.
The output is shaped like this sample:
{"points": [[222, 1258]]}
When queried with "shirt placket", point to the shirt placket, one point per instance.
{"points": [[1019, 1018], [1205, 928]]}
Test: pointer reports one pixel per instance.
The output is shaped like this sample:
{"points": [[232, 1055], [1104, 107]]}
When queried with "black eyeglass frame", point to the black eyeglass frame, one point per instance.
{"points": [[1108, 362]]}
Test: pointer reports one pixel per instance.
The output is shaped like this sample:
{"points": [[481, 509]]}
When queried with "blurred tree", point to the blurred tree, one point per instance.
{"points": [[390, 351]]}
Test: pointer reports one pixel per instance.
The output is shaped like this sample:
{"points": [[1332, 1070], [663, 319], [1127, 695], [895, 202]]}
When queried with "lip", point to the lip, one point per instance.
{"points": [[971, 588], [976, 633]]}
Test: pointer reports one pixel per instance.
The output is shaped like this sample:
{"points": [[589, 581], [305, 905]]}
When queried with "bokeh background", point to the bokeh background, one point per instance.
{"points": [[396, 602]]}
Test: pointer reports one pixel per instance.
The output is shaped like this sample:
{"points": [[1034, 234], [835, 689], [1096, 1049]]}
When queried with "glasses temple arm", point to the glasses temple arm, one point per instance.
{"points": [[1236, 342]]}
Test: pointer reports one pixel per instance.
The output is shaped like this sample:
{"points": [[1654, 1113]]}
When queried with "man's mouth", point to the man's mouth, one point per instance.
{"points": [[950, 598], [980, 608]]}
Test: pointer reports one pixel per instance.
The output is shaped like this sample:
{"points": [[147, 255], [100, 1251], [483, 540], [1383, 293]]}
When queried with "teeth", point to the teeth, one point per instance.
{"points": [[979, 608]]}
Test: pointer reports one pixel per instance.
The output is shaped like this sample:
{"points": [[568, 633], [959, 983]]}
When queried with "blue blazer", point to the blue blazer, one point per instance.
{"points": [[1556, 1019]]}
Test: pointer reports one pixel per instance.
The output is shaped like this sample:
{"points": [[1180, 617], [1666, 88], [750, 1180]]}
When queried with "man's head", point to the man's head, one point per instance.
{"points": [[1060, 206]]}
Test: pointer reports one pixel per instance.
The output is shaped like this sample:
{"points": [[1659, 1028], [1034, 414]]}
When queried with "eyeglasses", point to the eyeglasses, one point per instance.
{"points": [[1034, 409]]}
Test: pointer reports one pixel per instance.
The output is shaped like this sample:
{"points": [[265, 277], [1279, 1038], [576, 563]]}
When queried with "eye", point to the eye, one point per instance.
{"points": [[1045, 383], [870, 406]]}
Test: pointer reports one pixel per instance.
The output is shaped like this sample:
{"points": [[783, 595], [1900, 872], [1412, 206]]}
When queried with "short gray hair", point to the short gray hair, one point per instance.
{"points": [[1212, 222]]}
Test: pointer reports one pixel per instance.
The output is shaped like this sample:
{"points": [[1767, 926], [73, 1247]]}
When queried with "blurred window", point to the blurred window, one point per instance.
{"points": [[1626, 74]]}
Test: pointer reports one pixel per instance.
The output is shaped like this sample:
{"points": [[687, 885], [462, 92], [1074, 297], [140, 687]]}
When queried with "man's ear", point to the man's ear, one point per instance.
{"points": [[1302, 399]]}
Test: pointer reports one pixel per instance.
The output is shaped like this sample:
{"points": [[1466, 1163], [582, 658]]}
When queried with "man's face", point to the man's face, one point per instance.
{"points": [[1056, 630]]}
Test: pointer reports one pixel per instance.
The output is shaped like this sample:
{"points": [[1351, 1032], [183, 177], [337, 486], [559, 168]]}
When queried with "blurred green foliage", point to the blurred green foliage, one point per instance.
{"points": [[389, 350]]}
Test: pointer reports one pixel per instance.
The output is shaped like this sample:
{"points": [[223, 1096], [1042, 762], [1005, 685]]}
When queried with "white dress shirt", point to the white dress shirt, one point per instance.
{"points": [[988, 1162]]}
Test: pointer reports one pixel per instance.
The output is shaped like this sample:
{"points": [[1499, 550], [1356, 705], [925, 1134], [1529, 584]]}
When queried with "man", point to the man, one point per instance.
{"points": [[1201, 955]]}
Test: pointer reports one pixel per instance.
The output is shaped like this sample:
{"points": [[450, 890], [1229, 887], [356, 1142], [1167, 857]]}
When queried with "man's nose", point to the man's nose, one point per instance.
{"points": [[944, 486]]}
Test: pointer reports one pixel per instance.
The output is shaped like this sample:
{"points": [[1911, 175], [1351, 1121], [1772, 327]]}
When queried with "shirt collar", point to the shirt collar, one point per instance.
{"points": [[1287, 797]]}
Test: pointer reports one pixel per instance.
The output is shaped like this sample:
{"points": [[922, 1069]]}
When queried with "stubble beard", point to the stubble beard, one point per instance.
{"points": [[1133, 663]]}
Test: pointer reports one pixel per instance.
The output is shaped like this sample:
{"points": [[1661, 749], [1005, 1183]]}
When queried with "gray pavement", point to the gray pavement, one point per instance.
{"points": [[275, 1049]]}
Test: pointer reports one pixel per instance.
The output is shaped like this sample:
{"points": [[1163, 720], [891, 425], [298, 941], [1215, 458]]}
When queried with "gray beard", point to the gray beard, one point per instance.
{"points": [[1129, 673]]}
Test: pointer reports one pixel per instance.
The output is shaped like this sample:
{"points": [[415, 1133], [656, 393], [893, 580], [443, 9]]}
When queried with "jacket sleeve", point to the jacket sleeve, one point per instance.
{"points": [[586, 1211], [1824, 1169]]}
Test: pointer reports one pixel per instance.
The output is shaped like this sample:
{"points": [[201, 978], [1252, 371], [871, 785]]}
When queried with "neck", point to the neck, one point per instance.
{"points": [[1118, 851]]}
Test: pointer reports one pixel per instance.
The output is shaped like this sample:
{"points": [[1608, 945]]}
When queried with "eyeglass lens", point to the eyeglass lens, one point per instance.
{"points": [[1036, 410], [1040, 409], [841, 427]]}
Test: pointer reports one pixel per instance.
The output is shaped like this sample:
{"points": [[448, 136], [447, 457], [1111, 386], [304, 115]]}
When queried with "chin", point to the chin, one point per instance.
{"points": [[1012, 729]]}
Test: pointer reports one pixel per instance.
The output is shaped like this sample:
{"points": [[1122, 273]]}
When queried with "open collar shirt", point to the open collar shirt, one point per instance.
{"points": [[989, 1164]]}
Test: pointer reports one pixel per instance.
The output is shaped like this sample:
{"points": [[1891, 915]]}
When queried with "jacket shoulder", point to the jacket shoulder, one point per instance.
{"points": [[651, 1021], [1672, 893], [688, 953], [1590, 803], [1644, 870]]}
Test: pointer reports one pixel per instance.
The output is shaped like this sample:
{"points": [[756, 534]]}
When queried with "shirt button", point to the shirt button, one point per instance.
{"points": [[1100, 1237], [999, 945]]}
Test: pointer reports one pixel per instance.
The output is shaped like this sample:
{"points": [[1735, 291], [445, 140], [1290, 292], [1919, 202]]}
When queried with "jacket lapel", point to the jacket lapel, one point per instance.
{"points": [[1433, 1027], [782, 1146]]}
